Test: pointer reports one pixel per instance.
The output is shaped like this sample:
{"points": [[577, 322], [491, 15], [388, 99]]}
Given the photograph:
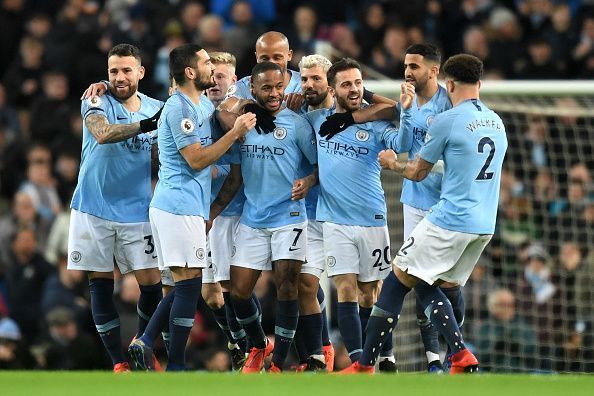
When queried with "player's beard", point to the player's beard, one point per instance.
{"points": [[345, 103], [203, 85], [315, 100], [420, 84], [125, 94]]}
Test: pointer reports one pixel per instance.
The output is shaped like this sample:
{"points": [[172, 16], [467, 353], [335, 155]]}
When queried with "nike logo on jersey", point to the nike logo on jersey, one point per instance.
{"points": [[383, 269], [292, 249]]}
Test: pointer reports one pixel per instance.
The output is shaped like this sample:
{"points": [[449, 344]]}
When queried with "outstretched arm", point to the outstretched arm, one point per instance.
{"points": [[105, 132]]}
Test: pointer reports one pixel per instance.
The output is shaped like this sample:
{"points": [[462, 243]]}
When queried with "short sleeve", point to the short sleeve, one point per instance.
{"points": [[436, 139], [94, 105], [184, 127]]}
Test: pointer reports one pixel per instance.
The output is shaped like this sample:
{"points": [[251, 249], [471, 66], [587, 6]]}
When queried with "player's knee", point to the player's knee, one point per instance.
{"points": [[213, 300], [240, 293], [307, 288], [347, 292], [287, 288]]}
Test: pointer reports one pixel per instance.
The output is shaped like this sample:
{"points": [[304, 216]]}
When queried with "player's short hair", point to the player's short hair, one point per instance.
{"points": [[223, 58], [263, 67], [309, 61], [339, 66], [464, 68], [122, 50], [428, 51], [180, 58]]}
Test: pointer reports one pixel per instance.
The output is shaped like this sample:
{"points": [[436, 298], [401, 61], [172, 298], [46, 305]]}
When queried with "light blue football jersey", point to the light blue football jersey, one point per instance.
{"points": [[114, 181], [217, 182], [241, 89], [414, 123], [235, 207], [472, 140], [270, 164], [180, 189], [351, 192]]}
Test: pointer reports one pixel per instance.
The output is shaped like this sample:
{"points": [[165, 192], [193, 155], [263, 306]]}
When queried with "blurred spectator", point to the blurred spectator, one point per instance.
{"points": [[507, 45], [190, 16], [126, 301], [264, 10], [57, 240], [505, 342], [66, 170], [210, 33], [173, 38], [51, 110], [303, 34], [22, 216], [67, 348], [585, 46], [12, 20], [23, 77], [343, 39], [372, 28], [9, 117], [39, 26], [26, 274], [65, 288], [476, 291], [561, 35], [40, 185], [540, 64], [535, 17], [242, 34], [389, 57], [475, 42], [13, 352], [217, 361]]}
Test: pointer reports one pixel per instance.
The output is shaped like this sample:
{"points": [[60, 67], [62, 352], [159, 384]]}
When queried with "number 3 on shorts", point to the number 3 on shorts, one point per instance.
{"points": [[150, 246]]}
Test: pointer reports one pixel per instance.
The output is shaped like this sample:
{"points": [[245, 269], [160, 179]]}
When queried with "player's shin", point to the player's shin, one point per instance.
{"points": [[106, 318], [287, 314]]}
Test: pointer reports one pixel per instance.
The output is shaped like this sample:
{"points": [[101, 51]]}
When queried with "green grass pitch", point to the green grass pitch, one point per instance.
{"points": [[186, 384]]}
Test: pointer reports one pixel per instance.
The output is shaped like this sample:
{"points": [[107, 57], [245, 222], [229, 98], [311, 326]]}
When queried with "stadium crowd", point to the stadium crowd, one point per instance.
{"points": [[530, 301]]}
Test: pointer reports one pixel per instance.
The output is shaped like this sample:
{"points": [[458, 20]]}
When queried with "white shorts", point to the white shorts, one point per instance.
{"points": [[180, 240], [316, 260], [432, 253], [364, 251], [222, 240], [94, 242], [208, 274], [256, 248], [412, 217]]}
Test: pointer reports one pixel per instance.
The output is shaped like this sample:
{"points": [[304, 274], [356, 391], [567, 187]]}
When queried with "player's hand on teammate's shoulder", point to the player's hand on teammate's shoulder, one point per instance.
{"points": [[387, 159], [243, 124], [407, 95], [294, 101], [95, 89], [265, 120]]}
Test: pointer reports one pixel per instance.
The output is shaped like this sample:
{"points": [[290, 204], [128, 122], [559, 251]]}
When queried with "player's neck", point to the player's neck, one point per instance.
{"points": [[132, 104], [191, 92], [463, 95], [325, 104], [426, 94]]}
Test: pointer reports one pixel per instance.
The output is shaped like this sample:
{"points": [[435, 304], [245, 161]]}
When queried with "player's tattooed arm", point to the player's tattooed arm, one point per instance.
{"points": [[415, 170], [380, 111], [105, 132], [230, 187]]}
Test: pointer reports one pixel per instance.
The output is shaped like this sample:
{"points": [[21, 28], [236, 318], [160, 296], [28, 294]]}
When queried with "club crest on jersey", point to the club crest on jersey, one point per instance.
{"points": [[429, 121], [200, 254], [362, 135], [187, 125], [427, 137], [75, 256], [280, 133], [330, 261], [95, 101]]}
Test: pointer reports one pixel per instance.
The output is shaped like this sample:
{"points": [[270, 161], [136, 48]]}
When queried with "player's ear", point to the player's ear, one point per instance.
{"points": [[189, 72], [141, 72], [480, 82], [289, 55]]}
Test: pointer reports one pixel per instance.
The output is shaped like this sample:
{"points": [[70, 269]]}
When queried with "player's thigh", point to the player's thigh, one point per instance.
{"points": [[208, 273], [252, 248], [340, 249], [412, 217], [430, 251], [91, 242], [182, 239], [315, 260], [134, 247], [374, 253], [461, 271], [222, 242], [289, 242]]}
